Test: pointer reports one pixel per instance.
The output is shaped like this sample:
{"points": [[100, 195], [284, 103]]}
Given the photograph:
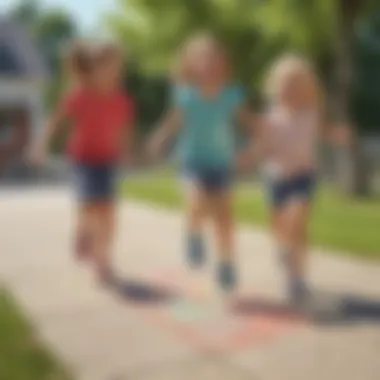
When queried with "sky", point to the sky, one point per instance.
{"points": [[86, 12]]}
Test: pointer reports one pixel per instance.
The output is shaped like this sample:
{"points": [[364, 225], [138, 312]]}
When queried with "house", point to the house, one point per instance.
{"points": [[22, 77]]}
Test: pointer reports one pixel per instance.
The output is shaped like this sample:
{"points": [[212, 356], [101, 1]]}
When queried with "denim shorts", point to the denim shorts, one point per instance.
{"points": [[300, 186], [214, 180], [93, 182]]}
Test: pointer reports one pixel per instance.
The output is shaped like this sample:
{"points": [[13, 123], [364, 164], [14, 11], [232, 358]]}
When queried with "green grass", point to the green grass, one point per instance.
{"points": [[348, 225], [22, 356]]}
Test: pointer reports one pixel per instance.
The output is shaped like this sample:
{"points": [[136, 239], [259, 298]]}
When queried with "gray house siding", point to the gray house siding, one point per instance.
{"points": [[22, 77]]}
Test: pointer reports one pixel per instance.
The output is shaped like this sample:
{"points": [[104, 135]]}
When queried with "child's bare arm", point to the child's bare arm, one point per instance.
{"points": [[338, 134], [167, 129], [257, 144], [128, 144], [50, 128], [245, 118]]}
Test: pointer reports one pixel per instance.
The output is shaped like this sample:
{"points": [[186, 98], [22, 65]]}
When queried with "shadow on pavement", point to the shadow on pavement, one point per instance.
{"points": [[323, 309], [140, 292], [335, 309], [245, 307]]}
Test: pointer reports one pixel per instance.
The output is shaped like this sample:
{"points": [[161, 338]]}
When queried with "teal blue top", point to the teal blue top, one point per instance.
{"points": [[207, 137]]}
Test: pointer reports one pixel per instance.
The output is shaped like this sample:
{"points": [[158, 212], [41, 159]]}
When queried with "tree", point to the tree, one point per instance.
{"points": [[50, 29], [154, 30], [53, 30], [365, 98], [255, 31], [353, 169], [26, 12]]}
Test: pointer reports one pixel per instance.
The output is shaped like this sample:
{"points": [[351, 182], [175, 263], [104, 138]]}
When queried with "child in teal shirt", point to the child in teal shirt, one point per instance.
{"points": [[205, 108]]}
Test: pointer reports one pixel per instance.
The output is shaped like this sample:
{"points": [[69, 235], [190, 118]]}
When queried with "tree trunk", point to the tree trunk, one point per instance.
{"points": [[353, 170]]}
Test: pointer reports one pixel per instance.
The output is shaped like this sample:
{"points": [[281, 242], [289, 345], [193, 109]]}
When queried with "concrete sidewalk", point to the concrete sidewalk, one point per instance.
{"points": [[103, 337]]}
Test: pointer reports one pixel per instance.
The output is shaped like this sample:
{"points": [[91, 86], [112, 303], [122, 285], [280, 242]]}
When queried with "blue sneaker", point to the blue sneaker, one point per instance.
{"points": [[196, 256], [227, 277]]}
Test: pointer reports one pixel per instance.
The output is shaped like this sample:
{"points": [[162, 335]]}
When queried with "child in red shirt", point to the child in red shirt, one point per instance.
{"points": [[101, 116]]}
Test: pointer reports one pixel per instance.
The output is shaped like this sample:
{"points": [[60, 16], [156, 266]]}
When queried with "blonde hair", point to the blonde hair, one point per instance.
{"points": [[291, 66], [182, 69]]}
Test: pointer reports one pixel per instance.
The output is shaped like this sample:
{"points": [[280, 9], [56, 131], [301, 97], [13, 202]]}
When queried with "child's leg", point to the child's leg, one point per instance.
{"points": [[279, 195], [105, 235], [85, 231], [86, 212], [295, 214], [299, 223], [303, 188], [280, 231], [196, 210], [99, 190], [224, 224], [285, 224], [224, 228]]}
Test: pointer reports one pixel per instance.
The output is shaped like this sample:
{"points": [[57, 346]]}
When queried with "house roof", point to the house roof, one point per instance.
{"points": [[19, 55]]}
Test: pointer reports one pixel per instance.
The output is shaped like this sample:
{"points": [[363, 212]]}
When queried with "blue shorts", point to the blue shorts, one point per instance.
{"points": [[298, 187], [213, 180], [94, 182]]}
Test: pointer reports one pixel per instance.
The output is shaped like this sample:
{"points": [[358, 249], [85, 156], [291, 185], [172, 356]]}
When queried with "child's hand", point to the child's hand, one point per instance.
{"points": [[125, 159], [37, 156], [154, 148], [342, 135], [244, 161]]}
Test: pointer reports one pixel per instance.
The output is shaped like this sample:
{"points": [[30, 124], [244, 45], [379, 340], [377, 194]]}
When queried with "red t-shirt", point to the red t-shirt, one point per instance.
{"points": [[99, 122]]}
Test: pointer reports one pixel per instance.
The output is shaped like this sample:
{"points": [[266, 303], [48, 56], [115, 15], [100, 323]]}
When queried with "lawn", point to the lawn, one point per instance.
{"points": [[351, 226], [22, 356]]}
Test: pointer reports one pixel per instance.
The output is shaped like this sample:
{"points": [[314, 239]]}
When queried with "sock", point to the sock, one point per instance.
{"points": [[298, 289], [296, 284], [286, 259], [227, 276], [195, 250], [285, 256]]}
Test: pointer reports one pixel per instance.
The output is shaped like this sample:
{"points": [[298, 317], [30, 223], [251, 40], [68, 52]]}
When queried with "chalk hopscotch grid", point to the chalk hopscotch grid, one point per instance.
{"points": [[219, 332]]}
